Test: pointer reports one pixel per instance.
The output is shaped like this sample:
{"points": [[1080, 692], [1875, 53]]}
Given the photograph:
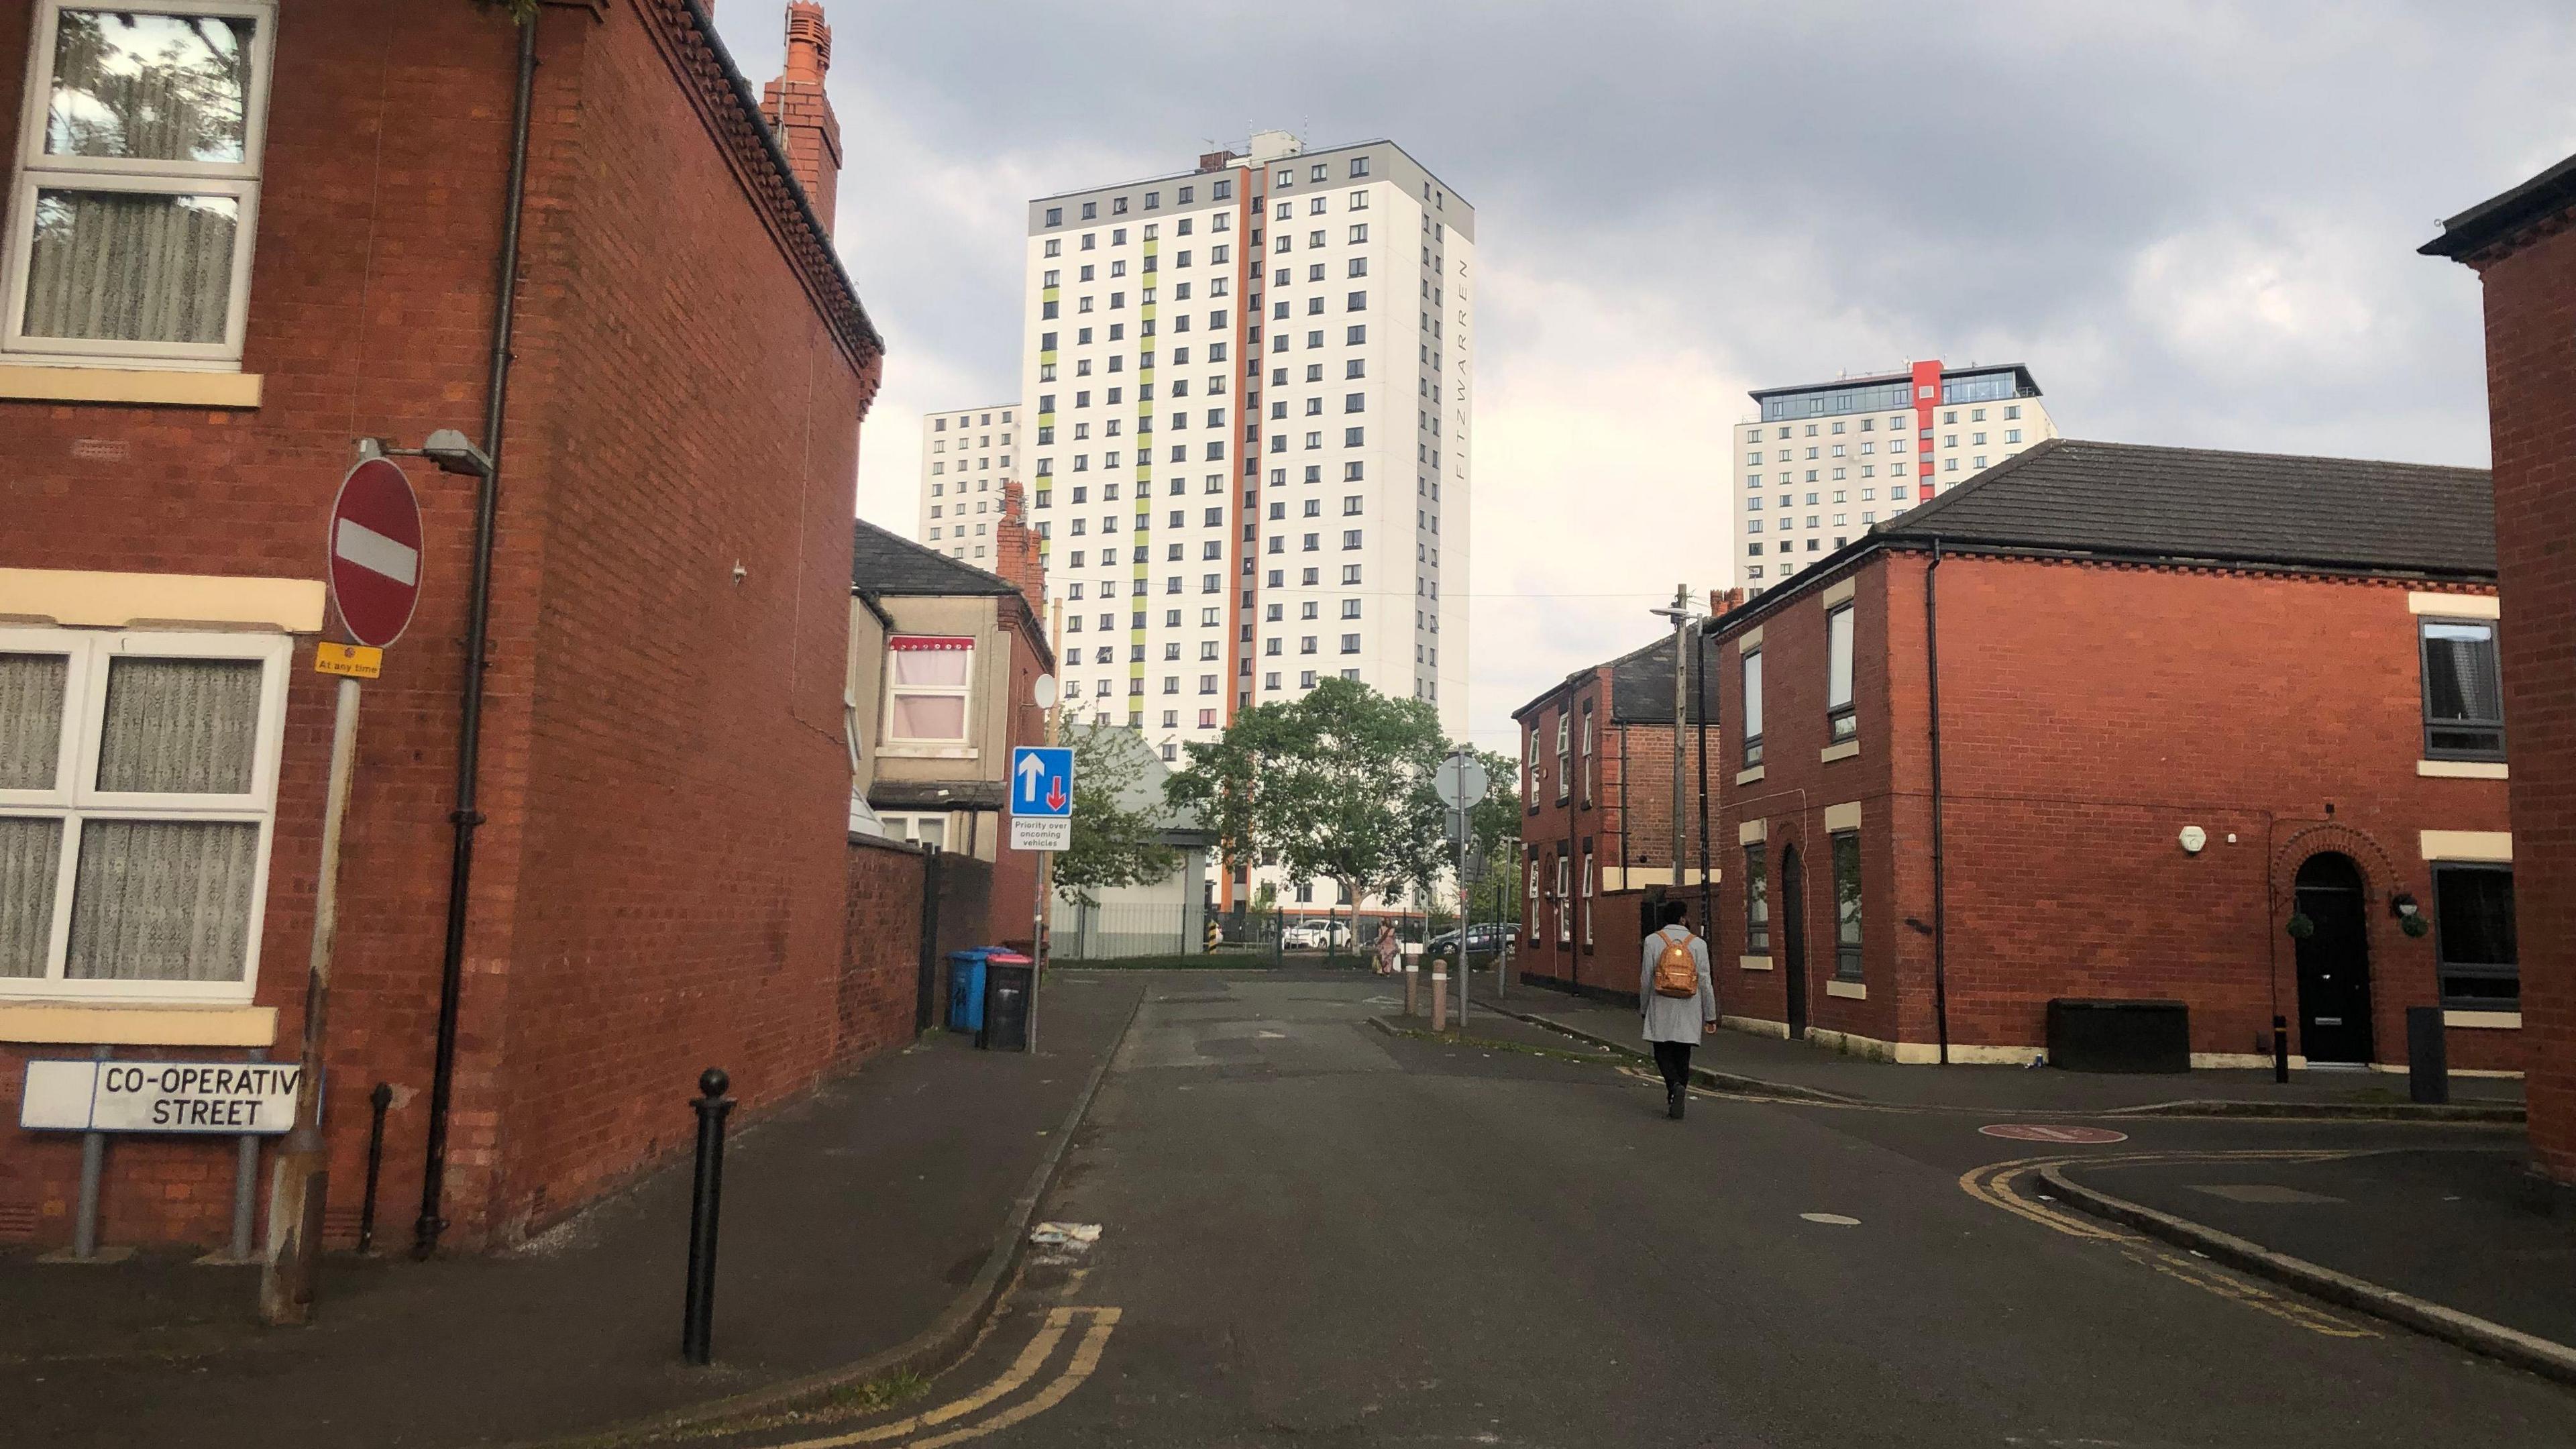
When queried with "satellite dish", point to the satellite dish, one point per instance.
{"points": [[1044, 690]]}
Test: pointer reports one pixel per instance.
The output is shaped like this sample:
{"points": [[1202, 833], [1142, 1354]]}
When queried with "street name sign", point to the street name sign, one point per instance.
{"points": [[374, 552], [1041, 797], [231, 1098]]}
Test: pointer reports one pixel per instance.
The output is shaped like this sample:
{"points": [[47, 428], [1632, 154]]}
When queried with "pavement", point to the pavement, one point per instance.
{"points": [[852, 1222], [2465, 1226], [1809, 1067], [1317, 1229]]}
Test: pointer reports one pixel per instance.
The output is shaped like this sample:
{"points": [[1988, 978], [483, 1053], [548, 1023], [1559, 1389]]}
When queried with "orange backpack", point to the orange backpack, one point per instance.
{"points": [[1676, 973]]}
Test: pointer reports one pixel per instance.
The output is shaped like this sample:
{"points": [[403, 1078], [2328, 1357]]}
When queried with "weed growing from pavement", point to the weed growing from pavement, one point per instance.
{"points": [[1214, 961], [1489, 1044], [875, 1394]]}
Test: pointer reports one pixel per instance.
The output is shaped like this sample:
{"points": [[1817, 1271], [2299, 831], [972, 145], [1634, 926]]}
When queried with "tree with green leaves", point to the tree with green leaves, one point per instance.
{"points": [[1493, 837], [1334, 786], [1117, 821]]}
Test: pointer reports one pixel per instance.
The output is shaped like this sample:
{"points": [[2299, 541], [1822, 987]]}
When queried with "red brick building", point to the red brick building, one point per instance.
{"points": [[2521, 245], [2183, 698], [1596, 824], [242, 238]]}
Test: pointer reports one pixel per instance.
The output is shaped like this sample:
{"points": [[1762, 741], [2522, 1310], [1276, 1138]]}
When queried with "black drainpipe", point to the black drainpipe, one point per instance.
{"points": [[1940, 899], [478, 618]]}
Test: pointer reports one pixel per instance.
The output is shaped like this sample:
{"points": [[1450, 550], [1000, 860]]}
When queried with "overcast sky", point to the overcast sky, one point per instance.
{"points": [[2195, 223]]}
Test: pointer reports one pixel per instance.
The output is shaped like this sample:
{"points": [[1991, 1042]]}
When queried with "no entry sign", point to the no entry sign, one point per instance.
{"points": [[2052, 1132], [375, 552]]}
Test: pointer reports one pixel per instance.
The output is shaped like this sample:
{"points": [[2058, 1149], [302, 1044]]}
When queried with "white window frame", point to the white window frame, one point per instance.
{"points": [[1587, 898], [961, 746], [73, 797], [1564, 901], [905, 825], [32, 170]]}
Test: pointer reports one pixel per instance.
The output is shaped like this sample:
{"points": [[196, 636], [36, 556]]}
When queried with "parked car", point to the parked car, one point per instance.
{"points": [[1484, 940], [1317, 936]]}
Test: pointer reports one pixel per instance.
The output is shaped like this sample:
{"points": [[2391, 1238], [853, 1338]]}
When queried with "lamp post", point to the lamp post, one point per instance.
{"points": [[1679, 611]]}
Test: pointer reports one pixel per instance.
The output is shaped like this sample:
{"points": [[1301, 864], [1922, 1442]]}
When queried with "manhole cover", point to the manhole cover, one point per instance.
{"points": [[2052, 1132]]}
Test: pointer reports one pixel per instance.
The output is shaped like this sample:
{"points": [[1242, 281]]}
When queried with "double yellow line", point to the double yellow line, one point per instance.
{"points": [[1998, 1185], [1086, 1357]]}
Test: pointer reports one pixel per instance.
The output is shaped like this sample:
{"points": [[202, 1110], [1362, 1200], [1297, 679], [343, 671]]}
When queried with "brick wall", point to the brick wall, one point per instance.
{"points": [[683, 870], [880, 947], [2088, 714], [2531, 398], [662, 879]]}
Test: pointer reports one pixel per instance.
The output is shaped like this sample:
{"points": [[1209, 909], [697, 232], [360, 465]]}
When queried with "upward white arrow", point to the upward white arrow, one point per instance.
{"points": [[1031, 772]]}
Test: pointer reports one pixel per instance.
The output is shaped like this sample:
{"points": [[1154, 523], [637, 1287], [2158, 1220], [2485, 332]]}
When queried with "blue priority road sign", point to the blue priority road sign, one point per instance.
{"points": [[1042, 781]]}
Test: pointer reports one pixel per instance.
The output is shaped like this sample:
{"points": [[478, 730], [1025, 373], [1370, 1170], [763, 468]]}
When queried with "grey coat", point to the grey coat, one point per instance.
{"points": [[1675, 1018]]}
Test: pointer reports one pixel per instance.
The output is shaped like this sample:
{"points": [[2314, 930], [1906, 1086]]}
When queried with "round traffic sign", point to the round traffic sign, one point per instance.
{"points": [[1461, 781], [374, 552], [2052, 1132]]}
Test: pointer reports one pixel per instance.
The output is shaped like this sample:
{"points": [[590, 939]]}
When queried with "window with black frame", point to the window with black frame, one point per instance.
{"points": [[2463, 697], [1847, 965], [1752, 666], [1757, 901], [2473, 936], [1840, 722]]}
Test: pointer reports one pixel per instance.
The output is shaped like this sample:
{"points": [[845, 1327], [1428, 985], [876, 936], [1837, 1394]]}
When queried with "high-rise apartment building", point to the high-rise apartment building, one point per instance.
{"points": [[1823, 462], [1250, 389], [965, 456]]}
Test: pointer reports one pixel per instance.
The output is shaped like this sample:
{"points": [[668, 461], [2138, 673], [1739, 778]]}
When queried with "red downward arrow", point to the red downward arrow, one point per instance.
{"points": [[1055, 793]]}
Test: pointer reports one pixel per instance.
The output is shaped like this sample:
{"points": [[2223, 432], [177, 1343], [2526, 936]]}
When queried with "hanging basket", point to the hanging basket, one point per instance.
{"points": [[2417, 924], [2301, 927]]}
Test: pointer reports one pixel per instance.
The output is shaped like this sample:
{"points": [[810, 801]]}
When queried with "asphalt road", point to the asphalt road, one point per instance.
{"points": [[1315, 1233]]}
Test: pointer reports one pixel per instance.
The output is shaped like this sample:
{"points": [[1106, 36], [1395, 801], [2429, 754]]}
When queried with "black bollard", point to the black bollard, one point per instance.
{"points": [[2280, 1048], [697, 1329], [379, 1099]]}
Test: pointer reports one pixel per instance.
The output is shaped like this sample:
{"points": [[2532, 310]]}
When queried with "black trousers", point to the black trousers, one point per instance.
{"points": [[1672, 1058]]}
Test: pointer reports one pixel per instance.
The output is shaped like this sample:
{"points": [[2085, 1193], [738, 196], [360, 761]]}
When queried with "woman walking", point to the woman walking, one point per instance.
{"points": [[1386, 948], [1676, 998]]}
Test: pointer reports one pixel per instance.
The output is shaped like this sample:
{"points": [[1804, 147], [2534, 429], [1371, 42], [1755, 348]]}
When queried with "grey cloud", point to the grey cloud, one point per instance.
{"points": [[2194, 221]]}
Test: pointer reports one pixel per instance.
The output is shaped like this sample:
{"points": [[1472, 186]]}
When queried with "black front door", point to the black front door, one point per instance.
{"points": [[2334, 962], [1793, 939]]}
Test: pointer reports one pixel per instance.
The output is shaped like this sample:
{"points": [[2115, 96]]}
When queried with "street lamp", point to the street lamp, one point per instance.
{"points": [[1681, 613], [451, 450]]}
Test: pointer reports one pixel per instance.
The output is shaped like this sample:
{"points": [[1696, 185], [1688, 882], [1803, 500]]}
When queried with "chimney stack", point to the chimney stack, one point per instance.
{"points": [[1015, 549], [801, 114]]}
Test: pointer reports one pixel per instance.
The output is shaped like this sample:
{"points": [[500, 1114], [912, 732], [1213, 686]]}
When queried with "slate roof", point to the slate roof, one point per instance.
{"points": [[1641, 684], [2498, 217], [896, 567], [2196, 504]]}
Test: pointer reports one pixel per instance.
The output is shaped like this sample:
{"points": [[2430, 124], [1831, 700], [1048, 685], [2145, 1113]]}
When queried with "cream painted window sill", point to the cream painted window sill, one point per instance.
{"points": [[925, 752], [2462, 769], [1753, 963], [75, 598], [1848, 749], [1747, 777], [1848, 990], [2484, 1020], [130, 386], [96, 1024]]}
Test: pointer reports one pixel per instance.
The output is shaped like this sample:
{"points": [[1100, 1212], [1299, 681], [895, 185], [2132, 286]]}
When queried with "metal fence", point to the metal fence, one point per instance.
{"points": [[1119, 931]]}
